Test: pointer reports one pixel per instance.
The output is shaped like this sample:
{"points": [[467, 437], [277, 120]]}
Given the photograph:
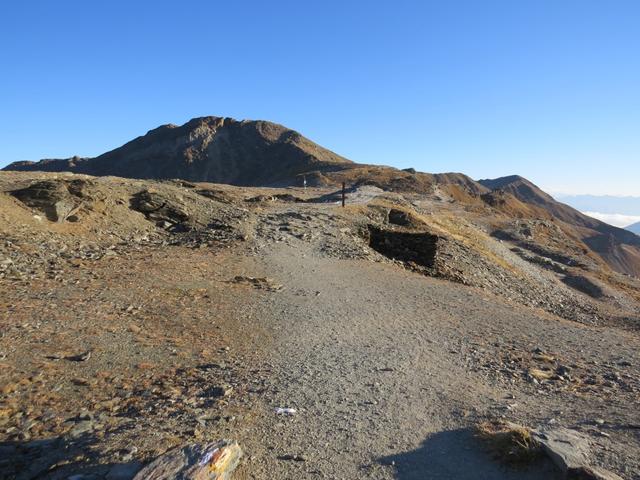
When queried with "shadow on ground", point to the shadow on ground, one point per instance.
{"points": [[456, 454], [57, 458]]}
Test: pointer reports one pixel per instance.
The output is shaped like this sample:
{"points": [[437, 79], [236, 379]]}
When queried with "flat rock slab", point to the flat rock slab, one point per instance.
{"points": [[571, 452], [210, 461], [567, 448]]}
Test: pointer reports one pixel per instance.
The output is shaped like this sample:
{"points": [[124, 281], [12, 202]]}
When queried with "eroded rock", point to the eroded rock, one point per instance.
{"points": [[58, 200], [211, 461], [158, 208], [399, 217], [567, 448], [571, 452]]}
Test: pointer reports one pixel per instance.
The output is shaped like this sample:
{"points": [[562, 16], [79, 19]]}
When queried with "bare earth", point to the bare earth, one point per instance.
{"points": [[388, 369]]}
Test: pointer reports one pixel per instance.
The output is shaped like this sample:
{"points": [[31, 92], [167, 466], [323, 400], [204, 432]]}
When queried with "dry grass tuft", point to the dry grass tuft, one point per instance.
{"points": [[544, 357], [539, 374], [508, 442]]}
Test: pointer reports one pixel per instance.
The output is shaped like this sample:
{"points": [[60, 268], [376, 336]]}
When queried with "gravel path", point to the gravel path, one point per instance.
{"points": [[382, 366], [376, 360]]}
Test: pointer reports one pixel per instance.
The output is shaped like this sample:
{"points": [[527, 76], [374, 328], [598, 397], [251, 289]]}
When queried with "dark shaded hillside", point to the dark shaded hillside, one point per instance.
{"points": [[211, 149]]}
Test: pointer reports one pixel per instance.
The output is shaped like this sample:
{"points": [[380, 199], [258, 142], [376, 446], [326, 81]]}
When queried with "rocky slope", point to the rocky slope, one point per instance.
{"points": [[618, 247], [138, 315], [207, 149]]}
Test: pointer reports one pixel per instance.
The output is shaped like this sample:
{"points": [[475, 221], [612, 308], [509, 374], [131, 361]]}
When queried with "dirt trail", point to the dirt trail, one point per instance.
{"points": [[377, 362], [347, 359]]}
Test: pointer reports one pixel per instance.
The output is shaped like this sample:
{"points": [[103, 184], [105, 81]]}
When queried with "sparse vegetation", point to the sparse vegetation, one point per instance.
{"points": [[509, 443], [168, 285], [540, 374]]}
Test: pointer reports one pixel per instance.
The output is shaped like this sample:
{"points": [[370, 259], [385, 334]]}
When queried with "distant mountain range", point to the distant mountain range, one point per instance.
{"points": [[635, 228], [261, 153]]}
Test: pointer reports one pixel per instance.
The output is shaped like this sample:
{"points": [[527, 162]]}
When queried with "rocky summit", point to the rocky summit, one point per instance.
{"points": [[185, 304], [207, 149]]}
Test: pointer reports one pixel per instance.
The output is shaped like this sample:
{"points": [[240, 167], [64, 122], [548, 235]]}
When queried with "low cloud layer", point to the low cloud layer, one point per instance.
{"points": [[615, 219]]}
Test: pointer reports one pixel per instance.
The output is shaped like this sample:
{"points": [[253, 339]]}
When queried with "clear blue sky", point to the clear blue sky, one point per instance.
{"points": [[546, 89]]}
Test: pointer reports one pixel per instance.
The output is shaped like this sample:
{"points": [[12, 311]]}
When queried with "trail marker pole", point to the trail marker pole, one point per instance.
{"points": [[344, 194]]}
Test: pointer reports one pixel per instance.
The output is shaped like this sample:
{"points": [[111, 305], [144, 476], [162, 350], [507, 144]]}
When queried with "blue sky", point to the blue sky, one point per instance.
{"points": [[546, 89]]}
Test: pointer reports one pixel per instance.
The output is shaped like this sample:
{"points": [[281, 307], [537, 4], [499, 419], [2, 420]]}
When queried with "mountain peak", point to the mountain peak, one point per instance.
{"points": [[501, 182], [520, 188], [212, 149]]}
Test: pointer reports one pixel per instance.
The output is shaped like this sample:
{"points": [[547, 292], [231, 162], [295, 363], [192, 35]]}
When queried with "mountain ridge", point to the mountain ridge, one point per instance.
{"points": [[213, 149], [266, 154], [618, 247]]}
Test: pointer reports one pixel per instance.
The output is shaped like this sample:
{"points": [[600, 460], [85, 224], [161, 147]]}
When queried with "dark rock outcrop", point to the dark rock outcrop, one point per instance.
{"points": [[59, 201]]}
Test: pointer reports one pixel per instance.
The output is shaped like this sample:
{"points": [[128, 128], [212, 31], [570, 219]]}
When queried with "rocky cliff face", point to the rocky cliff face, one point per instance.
{"points": [[211, 149]]}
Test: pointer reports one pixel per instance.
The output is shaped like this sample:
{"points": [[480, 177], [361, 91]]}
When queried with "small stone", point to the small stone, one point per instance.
{"points": [[134, 328], [126, 454], [85, 415], [219, 391], [81, 428], [82, 357], [295, 458]]}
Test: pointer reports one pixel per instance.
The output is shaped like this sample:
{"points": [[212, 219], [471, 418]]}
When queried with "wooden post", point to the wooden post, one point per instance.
{"points": [[343, 193]]}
